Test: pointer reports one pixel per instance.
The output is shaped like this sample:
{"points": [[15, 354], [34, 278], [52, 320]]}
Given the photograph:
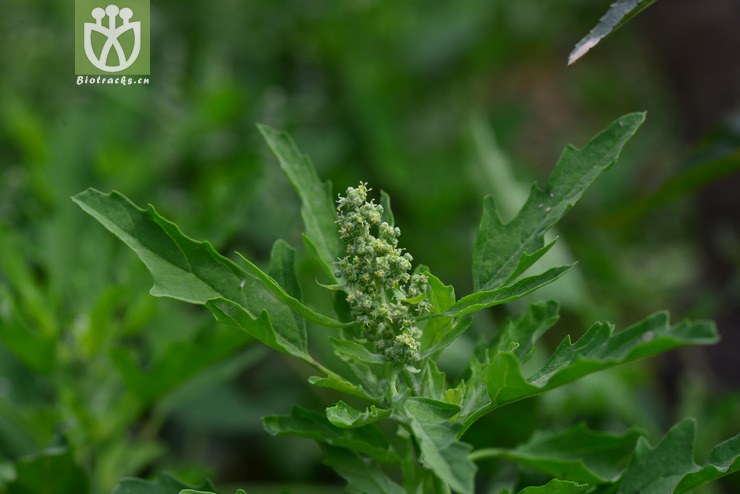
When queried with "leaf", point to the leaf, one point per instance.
{"points": [[347, 349], [437, 436], [32, 474], [317, 208], [340, 384], [283, 255], [438, 332], [182, 268], [723, 460], [228, 312], [596, 350], [490, 298], [347, 417], [165, 484], [367, 440], [579, 454], [502, 252], [387, 216], [669, 467], [192, 491], [472, 389], [520, 333], [433, 381], [618, 14], [362, 477], [192, 271], [556, 486]]}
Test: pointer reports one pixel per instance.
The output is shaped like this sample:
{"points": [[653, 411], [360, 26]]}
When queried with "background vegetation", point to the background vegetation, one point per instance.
{"points": [[436, 103]]}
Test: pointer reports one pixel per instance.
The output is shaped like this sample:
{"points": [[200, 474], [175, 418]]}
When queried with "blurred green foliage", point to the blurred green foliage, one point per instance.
{"points": [[423, 100]]}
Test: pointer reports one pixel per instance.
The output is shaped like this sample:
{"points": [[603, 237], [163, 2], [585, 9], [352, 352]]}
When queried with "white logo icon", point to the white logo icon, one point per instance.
{"points": [[112, 33]]}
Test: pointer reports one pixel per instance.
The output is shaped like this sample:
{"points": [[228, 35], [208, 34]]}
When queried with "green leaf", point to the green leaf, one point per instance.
{"points": [[502, 252], [347, 349], [182, 268], [283, 258], [317, 208], [228, 312], [596, 350], [618, 14], [347, 417], [490, 298], [438, 332], [520, 333], [165, 484], [387, 216], [723, 460], [340, 384], [433, 381], [192, 491], [33, 474], [556, 486], [192, 271], [367, 440], [362, 477], [579, 454], [437, 436], [472, 389], [669, 468]]}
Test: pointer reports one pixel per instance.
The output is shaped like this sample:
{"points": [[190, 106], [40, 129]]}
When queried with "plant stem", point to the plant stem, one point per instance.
{"points": [[482, 454]]}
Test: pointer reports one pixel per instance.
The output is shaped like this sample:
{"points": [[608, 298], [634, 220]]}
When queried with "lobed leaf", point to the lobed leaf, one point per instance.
{"points": [[362, 477], [338, 383], [489, 298], [348, 349], [317, 210], [433, 381], [723, 460], [556, 486], [192, 271], [596, 350], [441, 451], [346, 416], [165, 484], [618, 14], [503, 252], [192, 491], [438, 332], [283, 254], [578, 454], [367, 440], [261, 327], [669, 468], [182, 268], [520, 333]]}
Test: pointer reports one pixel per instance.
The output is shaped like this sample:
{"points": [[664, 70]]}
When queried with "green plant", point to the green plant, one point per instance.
{"points": [[401, 424]]}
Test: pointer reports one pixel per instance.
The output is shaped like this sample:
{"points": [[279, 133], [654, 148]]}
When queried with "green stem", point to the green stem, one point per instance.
{"points": [[482, 454]]}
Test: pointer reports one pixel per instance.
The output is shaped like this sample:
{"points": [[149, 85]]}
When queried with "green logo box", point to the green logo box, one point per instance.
{"points": [[112, 37]]}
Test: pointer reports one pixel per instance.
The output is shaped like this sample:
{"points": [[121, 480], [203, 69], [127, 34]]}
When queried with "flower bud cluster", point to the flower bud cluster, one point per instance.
{"points": [[382, 294]]}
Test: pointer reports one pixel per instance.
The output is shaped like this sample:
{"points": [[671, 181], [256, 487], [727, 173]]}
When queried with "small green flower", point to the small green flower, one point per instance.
{"points": [[377, 279]]}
